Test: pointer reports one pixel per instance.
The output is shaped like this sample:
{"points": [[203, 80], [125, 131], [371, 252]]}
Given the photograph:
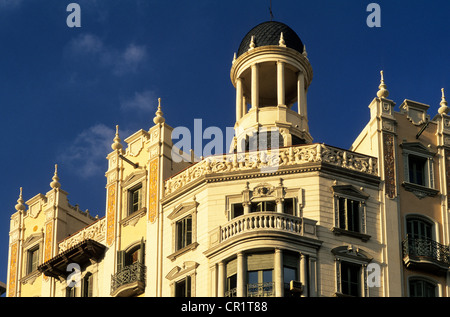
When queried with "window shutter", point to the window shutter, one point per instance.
{"points": [[142, 251], [120, 260]]}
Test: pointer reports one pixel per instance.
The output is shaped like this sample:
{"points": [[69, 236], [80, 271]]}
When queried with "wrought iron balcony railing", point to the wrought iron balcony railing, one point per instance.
{"points": [[261, 289], [416, 250], [255, 290], [133, 274]]}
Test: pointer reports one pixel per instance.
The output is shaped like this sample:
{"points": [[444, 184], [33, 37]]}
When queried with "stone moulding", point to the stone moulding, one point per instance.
{"points": [[269, 161]]}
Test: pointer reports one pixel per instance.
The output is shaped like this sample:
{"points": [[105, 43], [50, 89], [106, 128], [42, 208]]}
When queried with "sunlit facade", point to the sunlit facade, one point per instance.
{"points": [[278, 216]]}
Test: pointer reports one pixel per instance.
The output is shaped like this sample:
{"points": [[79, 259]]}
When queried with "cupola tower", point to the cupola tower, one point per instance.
{"points": [[271, 74]]}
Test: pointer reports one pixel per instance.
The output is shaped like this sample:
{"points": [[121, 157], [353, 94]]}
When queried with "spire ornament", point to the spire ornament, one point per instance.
{"points": [[159, 118], [20, 206], [116, 145], [55, 183], [252, 43], [444, 108], [282, 43], [382, 92]]}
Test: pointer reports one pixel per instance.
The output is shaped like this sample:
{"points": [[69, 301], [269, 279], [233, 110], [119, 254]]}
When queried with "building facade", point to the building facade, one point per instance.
{"points": [[277, 216]]}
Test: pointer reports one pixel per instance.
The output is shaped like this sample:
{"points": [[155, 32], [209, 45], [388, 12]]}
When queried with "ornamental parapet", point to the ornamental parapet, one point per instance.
{"points": [[272, 161], [95, 231]]}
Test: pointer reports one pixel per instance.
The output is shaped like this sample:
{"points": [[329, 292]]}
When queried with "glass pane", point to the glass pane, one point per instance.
{"points": [[341, 211], [252, 277], [290, 274], [267, 276]]}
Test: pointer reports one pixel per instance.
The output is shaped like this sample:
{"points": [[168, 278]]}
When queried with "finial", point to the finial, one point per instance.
{"points": [[443, 109], [159, 118], [116, 145], [55, 183], [281, 42], [252, 43], [382, 92], [20, 206], [234, 57], [305, 53]]}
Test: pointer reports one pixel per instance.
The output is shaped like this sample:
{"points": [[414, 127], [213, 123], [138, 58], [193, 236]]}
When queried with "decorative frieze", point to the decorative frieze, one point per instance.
{"points": [[95, 231], [270, 161]]}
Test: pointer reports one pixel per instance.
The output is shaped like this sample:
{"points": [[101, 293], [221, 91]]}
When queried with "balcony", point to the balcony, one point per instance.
{"points": [[129, 281], [425, 254], [263, 225]]}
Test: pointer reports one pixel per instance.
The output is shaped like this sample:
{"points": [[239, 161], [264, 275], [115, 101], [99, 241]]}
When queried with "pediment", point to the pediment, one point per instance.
{"points": [[350, 190], [416, 147], [32, 239], [352, 252], [130, 179], [182, 209], [179, 271]]}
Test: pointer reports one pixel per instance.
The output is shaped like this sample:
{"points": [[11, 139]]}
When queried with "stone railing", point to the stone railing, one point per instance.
{"points": [[261, 220], [95, 231], [270, 161]]}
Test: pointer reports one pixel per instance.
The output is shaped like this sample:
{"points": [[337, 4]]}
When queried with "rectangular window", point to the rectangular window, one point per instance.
{"points": [[184, 232], [33, 259], [349, 214], [290, 206], [183, 287], [135, 199], [263, 206], [350, 279], [237, 210], [417, 169]]}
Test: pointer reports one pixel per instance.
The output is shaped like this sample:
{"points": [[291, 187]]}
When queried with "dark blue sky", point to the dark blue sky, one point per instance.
{"points": [[63, 90]]}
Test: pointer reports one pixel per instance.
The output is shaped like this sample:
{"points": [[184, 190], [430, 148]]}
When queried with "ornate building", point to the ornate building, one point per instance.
{"points": [[278, 215]]}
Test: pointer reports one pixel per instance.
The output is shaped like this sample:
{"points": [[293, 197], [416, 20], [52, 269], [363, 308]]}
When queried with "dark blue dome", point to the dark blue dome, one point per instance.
{"points": [[268, 33]]}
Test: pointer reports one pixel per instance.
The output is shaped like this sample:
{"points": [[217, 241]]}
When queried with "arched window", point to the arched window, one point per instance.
{"points": [[420, 287]]}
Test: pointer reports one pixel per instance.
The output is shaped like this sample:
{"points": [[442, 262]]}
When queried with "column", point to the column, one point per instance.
{"points": [[221, 279], [304, 274], [241, 276], [278, 273], [239, 99], [255, 86], [301, 95], [280, 83]]}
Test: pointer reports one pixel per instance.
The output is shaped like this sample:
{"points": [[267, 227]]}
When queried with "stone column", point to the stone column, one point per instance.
{"points": [[280, 83], [304, 273], [255, 86], [241, 276], [278, 273], [221, 279], [239, 99], [301, 95]]}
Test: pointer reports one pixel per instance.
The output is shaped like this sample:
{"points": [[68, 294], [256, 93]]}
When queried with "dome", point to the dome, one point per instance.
{"points": [[268, 33]]}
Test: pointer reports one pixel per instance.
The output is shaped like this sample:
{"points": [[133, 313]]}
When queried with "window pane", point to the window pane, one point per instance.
{"points": [[350, 281], [267, 276], [290, 274], [252, 277], [237, 210], [289, 206]]}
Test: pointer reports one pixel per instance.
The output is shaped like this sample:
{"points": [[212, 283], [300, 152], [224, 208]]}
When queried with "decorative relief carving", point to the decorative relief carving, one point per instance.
{"points": [[48, 248], [263, 190], [13, 270], [447, 174], [95, 231], [135, 147], [111, 215], [153, 190], [270, 161], [389, 164], [35, 209]]}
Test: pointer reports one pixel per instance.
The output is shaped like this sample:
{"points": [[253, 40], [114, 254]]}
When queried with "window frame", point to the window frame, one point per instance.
{"points": [[357, 258], [424, 281], [419, 151], [350, 193], [181, 212]]}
